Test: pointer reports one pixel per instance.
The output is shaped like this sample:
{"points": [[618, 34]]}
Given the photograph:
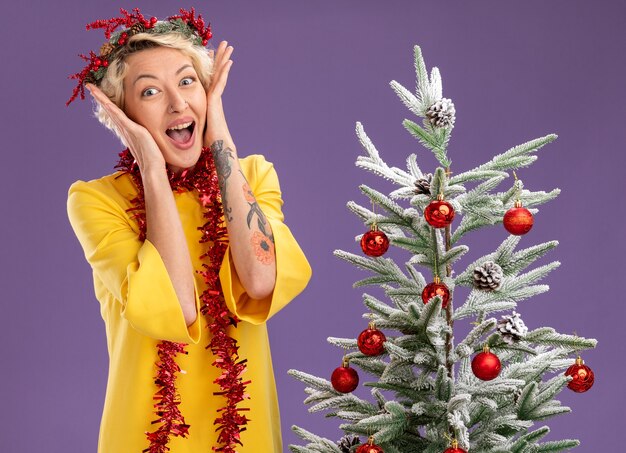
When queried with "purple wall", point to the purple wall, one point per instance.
{"points": [[304, 73]]}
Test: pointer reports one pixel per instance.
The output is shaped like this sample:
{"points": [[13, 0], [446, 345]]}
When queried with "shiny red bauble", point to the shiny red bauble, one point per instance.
{"points": [[369, 448], [436, 288], [455, 450], [582, 377], [374, 243], [439, 213], [344, 379], [486, 365], [518, 220], [371, 341]]}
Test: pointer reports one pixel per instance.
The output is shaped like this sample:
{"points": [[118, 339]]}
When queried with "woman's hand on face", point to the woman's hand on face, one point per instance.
{"points": [[221, 66], [216, 127], [141, 144]]}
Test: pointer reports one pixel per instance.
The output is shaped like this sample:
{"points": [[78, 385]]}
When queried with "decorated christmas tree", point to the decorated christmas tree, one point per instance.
{"points": [[429, 393]]}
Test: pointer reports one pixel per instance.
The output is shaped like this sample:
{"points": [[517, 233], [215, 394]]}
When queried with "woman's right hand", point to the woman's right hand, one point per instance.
{"points": [[139, 141]]}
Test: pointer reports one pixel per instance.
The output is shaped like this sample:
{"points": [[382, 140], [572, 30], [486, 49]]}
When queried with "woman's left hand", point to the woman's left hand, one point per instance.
{"points": [[216, 127]]}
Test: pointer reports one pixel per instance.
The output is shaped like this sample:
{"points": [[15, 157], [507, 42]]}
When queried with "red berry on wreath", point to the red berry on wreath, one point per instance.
{"points": [[344, 379], [439, 213], [518, 220], [369, 447], [371, 341], [436, 288], [582, 376], [486, 365], [374, 242], [455, 448]]}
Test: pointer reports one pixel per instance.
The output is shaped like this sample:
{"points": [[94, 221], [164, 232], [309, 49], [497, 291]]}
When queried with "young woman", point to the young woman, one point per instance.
{"points": [[189, 251]]}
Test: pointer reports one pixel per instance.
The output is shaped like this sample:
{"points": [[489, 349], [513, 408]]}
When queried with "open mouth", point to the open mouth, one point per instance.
{"points": [[181, 133]]}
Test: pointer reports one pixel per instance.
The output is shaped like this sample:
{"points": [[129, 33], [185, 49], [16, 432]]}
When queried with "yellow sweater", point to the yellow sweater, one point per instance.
{"points": [[140, 308]]}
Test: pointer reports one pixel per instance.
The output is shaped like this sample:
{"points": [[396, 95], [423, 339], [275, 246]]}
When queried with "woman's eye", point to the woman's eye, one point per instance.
{"points": [[149, 92], [187, 81]]}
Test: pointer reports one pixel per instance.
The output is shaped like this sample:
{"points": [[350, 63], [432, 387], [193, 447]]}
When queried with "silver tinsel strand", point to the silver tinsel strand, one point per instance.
{"points": [[512, 328], [488, 276], [441, 113]]}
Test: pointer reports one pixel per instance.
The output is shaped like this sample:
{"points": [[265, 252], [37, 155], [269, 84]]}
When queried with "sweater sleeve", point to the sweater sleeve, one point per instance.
{"points": [[292, 268], [132, 271]]}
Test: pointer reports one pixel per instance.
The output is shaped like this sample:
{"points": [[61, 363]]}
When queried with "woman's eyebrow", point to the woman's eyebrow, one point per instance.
{"points": [[144, 76], [183, 67], [150, 76]]}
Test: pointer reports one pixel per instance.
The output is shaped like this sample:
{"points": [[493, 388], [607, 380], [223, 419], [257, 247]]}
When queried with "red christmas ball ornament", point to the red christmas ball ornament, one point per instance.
{"points": [[369, 447], [436, 288], [439, 213], [455, 448], [374, 242], [486, 365], [371, 341], [582, 376], [344, 379], [518, 220]]}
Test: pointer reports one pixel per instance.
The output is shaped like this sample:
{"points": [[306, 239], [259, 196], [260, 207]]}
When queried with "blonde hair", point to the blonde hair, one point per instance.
{"points": [[113, 82]]}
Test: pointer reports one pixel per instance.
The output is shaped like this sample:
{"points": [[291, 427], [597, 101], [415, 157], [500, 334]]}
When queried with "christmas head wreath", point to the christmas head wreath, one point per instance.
{"points": [[119, 30]]}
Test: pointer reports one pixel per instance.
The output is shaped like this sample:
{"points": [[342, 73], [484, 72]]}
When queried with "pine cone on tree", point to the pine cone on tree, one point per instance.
{"points": [[488, 276], [441, 113], [517, 395], [346, 443], [512, 328], [422, 185]]}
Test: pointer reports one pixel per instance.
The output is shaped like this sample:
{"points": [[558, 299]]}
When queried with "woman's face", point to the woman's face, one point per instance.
{"points": [[163, 93]]}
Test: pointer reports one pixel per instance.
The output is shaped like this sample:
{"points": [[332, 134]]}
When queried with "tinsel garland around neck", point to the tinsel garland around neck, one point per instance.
{"points": [[230, 423]]}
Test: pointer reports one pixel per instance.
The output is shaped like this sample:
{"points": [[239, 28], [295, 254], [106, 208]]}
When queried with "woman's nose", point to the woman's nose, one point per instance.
{"points": [[177, 103]]}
